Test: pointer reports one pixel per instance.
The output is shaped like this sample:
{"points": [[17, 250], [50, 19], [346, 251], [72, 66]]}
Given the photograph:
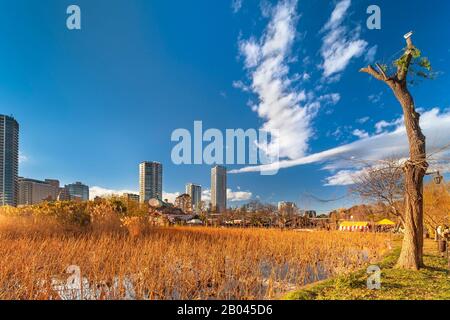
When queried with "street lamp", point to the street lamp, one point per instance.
{"points": [[437, 177]]}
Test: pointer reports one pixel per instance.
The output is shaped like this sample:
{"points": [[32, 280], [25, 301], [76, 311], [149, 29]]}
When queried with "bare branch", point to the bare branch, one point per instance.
{"points": [[382, 183], [380, 69], [374, 73]]}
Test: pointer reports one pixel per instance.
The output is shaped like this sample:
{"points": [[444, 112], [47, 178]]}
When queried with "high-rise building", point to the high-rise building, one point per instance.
{"points": [[33, 191], [131, 197], [150, 181], [287, 208], [219, 188], [195, 192], [9, 161], [78, 191], [53, 182]]}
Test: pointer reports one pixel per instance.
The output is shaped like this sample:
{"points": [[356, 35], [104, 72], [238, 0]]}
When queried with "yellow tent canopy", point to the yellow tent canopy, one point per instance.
{"points": [[386, 222], [354, 223]]}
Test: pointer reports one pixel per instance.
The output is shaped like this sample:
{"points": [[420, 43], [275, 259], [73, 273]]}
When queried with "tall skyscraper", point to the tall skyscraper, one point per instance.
{"points": [[78, 191], [219, 188], [195, 191], [150, 181], [9, 161]]}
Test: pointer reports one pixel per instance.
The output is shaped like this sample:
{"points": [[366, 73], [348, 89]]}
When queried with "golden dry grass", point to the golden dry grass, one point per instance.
{"points": [[170, 263]]}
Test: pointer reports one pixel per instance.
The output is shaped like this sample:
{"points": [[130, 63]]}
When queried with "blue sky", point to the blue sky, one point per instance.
{"points": [[93, 103]]}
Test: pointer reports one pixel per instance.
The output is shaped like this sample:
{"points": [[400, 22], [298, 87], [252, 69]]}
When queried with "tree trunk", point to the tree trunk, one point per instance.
{"points": [[411, 256]]}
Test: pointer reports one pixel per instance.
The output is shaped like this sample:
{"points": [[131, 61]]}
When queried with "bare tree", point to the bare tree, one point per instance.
{"points": [[382, 183], [411, 256]]}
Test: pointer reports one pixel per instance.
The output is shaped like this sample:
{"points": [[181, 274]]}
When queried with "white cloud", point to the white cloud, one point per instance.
{"points": [[170, 196], [236, 5], [338, 14], [347, 176], [434, 123], [332, 98], [381, 125], [341, 178], [22, 158], [370, 55], [240, 85], [362, 120], [232, 196], [375, 98], [360, 134], [340, 44], [286, 111], [251, 51], [206, 195], [97, 191], [103, 192]]}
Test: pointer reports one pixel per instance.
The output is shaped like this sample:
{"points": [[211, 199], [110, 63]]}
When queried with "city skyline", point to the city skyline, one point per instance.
{"points": [[133, 83]]}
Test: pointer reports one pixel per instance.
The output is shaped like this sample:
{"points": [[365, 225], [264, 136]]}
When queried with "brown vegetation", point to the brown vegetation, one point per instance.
{"points": [[122, 256]]}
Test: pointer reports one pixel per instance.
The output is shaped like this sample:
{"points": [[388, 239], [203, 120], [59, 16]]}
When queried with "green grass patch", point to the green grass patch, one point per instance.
{"points": [[429, 283]]}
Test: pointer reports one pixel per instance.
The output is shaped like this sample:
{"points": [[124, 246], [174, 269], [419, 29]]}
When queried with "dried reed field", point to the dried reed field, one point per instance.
{"points": [[39, 259]]}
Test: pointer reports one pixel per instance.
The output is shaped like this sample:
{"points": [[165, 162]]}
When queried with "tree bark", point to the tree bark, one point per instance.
{"points": [[411, 256]]}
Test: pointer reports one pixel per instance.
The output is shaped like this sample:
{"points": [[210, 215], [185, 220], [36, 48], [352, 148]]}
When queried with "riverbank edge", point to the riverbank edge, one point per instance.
{"points": [[429, 283]]}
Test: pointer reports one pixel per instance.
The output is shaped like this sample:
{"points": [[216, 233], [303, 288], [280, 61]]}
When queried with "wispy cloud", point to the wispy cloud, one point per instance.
{"points": [[375, 98], [370, 55], [340, 44], [362, 120], [383, 124], [342, 160], [285, 109], [330, 98], [22, 158], [236, 5], [342, 178], [360, 134]]}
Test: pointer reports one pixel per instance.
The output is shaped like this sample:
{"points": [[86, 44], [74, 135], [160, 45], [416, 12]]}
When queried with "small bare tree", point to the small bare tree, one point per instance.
{"points": [[382, 183], [411, 256]]}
